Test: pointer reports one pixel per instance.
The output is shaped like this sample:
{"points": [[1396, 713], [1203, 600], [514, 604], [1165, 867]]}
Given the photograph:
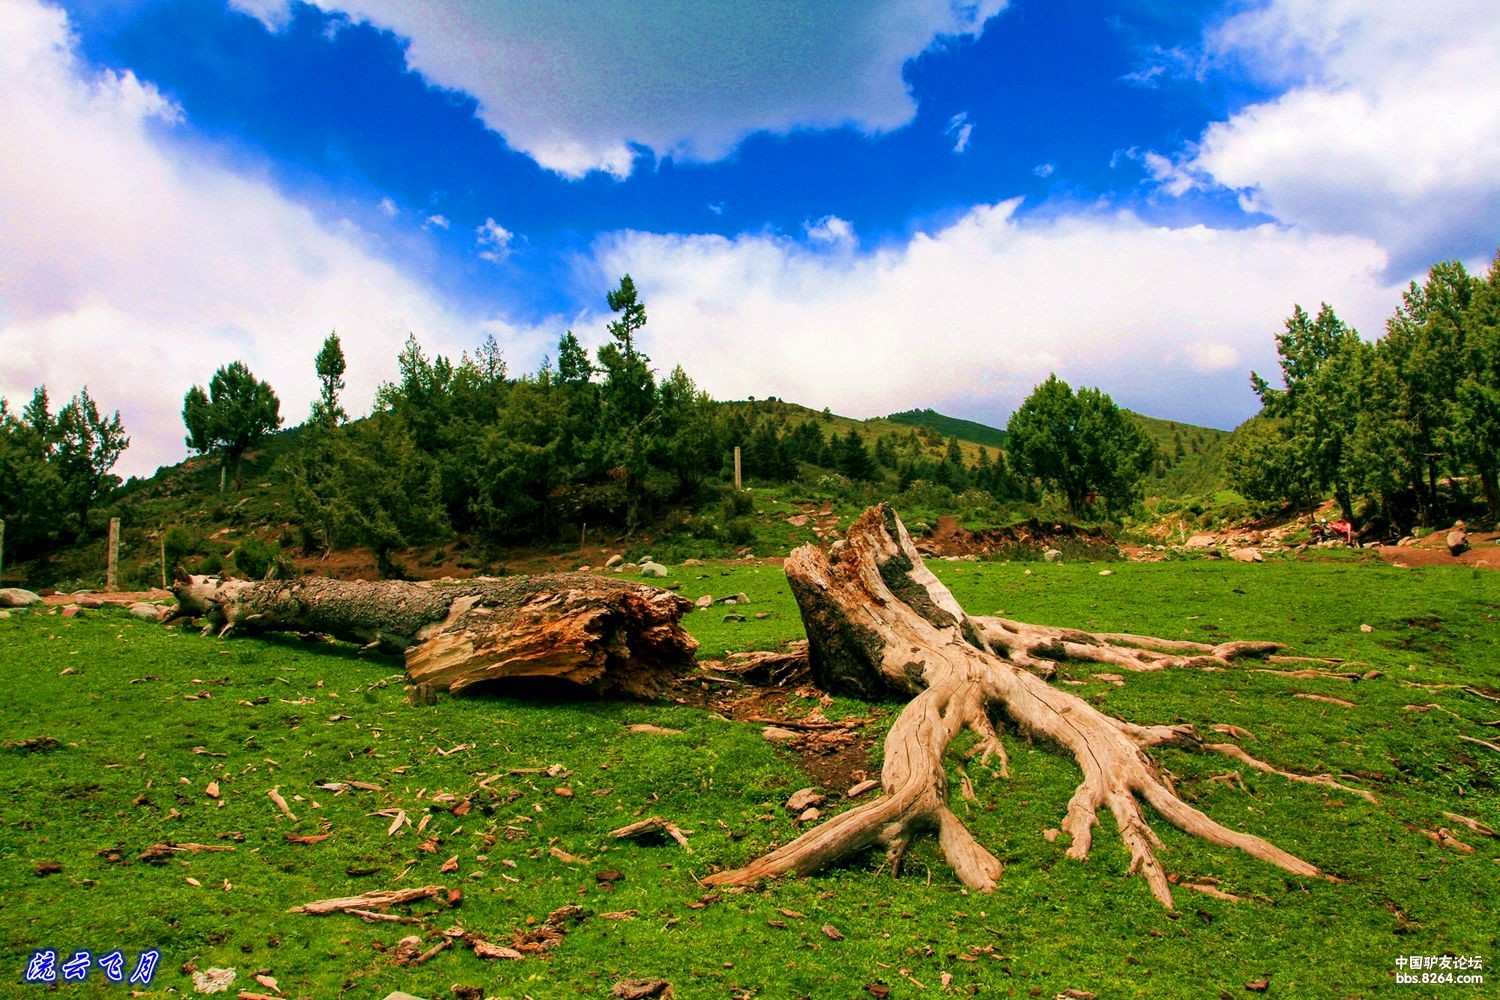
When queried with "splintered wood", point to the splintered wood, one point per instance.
{"points": [[370, 901], [603, 635], [653, 827]]}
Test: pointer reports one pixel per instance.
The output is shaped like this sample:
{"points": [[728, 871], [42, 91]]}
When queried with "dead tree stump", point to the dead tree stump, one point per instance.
{"points": [[879, 622]]}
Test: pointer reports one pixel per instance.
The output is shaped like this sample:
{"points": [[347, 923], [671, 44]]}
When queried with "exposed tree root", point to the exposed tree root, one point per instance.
{"points": [[878, 621]]}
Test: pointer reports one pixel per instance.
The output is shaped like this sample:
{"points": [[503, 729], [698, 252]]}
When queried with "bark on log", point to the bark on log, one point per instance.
{"points": [[607, 636], [878, 622]]}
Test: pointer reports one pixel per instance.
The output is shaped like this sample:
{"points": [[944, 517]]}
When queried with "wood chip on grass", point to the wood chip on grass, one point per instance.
{"points": [[654, 826]]}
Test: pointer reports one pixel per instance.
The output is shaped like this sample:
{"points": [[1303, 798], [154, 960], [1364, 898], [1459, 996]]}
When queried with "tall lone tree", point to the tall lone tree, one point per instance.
{"points": [[628, 396], [330, 366], [233, 416], [1078, 444], [88, 445]]}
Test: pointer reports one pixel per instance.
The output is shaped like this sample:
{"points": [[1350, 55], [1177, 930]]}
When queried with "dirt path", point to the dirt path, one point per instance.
{"points": [[1432, 550]]}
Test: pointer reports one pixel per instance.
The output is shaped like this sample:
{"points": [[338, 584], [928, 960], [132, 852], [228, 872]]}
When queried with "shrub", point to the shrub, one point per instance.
{"points": [[739, 531], [178, 544], [256, 559]]}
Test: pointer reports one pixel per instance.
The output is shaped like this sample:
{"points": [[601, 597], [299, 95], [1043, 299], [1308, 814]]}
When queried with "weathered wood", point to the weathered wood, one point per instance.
{"points": [[879, 623], [369, 901], [598, 633]]}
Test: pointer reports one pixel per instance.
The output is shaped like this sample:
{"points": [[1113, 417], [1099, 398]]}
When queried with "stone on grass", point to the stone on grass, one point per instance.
{"points": [[653, 569], [613, 561], [15, 597], [706, 601], [1246, 555], [147, 612], [1052, 555]]}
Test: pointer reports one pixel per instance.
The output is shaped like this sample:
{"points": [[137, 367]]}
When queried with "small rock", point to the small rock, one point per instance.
{"points": [[1246, 555], [89, 601], [706, 601], [1407, 540], [692, 562], [741, 599], [1200, 542], [72, 611], [809, 815], [613, 561], [1052, 555], [146, 612], [805, 797], [644, 560], [583, 569], [1367, 628], [4, 615], [729, 601], [734, 618], [402, 995], [762, 615], [15, 597], [1050, 834], [1458, 541], [775, 734], [213, 980], [1106, 572], [653, 569]]}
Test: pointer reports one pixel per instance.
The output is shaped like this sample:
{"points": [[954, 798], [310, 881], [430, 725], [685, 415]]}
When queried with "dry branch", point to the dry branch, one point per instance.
{"points": [[878, 622]]}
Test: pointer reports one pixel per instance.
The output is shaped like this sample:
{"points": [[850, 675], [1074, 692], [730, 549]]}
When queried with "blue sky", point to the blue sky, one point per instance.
{"points": [[866, 205]]}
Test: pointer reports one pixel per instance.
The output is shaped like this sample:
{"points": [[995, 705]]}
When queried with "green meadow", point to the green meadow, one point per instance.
{"points": [[120, 735]]}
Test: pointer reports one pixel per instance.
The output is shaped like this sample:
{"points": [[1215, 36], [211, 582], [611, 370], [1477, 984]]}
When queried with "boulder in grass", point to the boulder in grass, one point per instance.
{"points": [[15, 597], [653, 569], [613, 561]]}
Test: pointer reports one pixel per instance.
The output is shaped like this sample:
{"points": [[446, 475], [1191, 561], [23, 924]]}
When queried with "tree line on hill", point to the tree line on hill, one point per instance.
{"points": [[1384, 426], [601, 440]]}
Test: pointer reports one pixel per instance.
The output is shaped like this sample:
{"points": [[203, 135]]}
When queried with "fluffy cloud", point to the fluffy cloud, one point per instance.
{"points": [[579, 86], [1389, 126], [493, 241], [972, 316], [137, 268]]}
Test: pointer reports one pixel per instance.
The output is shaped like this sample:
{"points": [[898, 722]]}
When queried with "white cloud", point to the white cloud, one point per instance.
{"points": [[493, 241], [960, 128], [581, 86], [1389, 128], [134, 267], [1044, 170], [388, 208], [437, 222], [831, 231], [1166, 320]]}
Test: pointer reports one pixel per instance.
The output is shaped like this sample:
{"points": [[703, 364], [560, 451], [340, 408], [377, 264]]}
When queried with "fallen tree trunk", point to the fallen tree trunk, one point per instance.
{"points": [[608, 636], [879, 622]]}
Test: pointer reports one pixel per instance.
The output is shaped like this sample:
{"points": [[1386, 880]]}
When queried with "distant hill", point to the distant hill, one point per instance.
{"points": [[1190, 459], [964, 430]]}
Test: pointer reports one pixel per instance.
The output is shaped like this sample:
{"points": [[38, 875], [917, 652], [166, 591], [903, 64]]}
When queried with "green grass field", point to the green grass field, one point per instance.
{"points": [[146, 717]]}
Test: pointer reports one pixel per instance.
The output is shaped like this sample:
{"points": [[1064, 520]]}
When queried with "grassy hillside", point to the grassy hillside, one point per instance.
{"points": [[1190, 458], [126, 725], [205, 528], [964, 430]]}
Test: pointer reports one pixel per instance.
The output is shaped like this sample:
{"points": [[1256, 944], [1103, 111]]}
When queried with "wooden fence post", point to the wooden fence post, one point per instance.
{"points": [[112, 572], [737, 467]]}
